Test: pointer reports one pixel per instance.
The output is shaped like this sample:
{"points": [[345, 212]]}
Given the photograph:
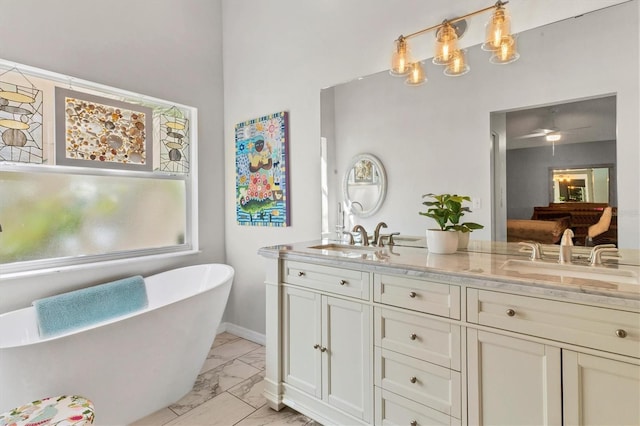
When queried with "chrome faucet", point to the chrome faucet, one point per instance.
{"points": [[351, 241], [536, 249], [595, 257], [363, 232], [389, 236], [566, 247], [376, 233]]}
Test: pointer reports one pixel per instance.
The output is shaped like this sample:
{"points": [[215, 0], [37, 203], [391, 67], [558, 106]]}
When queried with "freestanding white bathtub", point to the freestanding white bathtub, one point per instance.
{"points": [[128, 367]]}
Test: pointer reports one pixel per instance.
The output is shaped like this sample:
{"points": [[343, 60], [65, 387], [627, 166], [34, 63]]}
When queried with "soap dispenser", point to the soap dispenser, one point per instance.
{"points": [[566, 246]]}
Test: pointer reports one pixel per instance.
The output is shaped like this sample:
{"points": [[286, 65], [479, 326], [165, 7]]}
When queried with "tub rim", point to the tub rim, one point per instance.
{"points": [[229, 276]]}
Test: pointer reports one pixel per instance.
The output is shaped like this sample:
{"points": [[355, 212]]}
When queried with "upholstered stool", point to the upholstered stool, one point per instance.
{"points": [[55, 411]]}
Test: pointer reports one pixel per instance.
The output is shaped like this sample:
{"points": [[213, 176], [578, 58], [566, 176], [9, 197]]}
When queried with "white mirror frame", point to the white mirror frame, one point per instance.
{"points": [[382, 184]]}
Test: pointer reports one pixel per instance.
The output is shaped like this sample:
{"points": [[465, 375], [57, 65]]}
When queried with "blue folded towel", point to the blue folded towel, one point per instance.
{"points": [[77, 309]]}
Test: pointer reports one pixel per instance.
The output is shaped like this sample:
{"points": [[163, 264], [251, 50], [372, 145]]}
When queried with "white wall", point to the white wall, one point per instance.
{"points": [[436, 138], [279, 54], [161, 48]]}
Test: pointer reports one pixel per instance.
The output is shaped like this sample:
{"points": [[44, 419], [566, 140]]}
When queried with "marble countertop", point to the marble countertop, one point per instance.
{"points": [[484, 263]]}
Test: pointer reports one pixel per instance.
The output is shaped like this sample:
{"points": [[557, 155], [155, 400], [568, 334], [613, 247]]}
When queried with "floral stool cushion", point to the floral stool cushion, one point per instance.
{"points": [[56, 411]]}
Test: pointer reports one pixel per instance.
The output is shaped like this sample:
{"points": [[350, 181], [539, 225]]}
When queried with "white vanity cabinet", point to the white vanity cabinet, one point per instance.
{"points": [[599, 391], [514, 380], [327, 340], [417, 351], [356, 343]]}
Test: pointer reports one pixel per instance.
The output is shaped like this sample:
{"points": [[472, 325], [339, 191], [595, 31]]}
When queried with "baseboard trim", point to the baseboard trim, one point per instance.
{"points": [[245, 333]]}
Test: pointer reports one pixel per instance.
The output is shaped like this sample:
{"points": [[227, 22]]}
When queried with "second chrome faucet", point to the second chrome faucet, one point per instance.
{"points": [[363, 233], [377, 236]]}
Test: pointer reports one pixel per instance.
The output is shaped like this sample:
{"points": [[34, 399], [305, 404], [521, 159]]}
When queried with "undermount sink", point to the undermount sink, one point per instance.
{"points": [[600, 273], [345, 249], [405, 238]]}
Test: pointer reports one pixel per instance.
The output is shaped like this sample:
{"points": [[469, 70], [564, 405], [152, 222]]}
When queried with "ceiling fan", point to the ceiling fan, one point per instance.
{"points": [[551, 133]]}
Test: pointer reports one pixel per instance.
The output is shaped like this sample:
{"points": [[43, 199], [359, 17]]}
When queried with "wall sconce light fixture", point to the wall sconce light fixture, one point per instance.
{"points": [[499, 41]]}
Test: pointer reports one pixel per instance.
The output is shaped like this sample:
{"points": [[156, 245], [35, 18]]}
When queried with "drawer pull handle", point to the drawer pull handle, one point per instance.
{"points": [[323, 349], [413, 423], [316, 346], [621, 333], [301, 274], [413, 379], [413, 336], [511, 312], [412, 294], [343, 282]]}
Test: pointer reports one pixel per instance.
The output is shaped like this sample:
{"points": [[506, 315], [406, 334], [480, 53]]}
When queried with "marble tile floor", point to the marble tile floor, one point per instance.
{"points": [[228, 391]]}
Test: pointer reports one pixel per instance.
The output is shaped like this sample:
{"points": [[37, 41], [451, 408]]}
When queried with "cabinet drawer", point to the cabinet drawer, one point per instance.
{"points": [[599, 328], [418, 336], [325, 278], [418, 295], [429, 384], [392, 409]]}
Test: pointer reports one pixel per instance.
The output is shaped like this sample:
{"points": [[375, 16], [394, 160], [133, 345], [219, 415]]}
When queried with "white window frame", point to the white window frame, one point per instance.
{"points": [[191, 243]]}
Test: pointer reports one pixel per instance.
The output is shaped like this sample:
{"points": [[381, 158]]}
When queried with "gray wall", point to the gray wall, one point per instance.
{"points": [[528, 172], [162, 48]]}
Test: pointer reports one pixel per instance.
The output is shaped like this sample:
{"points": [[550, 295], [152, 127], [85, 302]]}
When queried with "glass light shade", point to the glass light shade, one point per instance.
{"points": [[401, 59], [416, 75], [507, 52], [553, 137], [446, 44], [497, 28], [458, 64]]}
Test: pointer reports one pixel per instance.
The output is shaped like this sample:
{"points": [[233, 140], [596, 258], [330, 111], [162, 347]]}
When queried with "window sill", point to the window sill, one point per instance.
{"points": [[97, 264]]}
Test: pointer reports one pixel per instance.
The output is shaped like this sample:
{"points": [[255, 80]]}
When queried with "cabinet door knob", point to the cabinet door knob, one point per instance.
{"points": [[323, 349], [621, 333], [316, 346], [413, 336], [511, 312], [413, 423], [413, 379], [343, 282], [412, 294], [301, 274]]}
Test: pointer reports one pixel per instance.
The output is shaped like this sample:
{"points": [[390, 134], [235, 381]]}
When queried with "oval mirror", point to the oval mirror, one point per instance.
{"points": [[364, 185]]}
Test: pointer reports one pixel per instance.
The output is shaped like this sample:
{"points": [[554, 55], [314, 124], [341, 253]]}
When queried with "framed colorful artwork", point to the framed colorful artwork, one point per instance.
{"points": [[262, 179], [174, 141], [92, 131], [20, 120]]}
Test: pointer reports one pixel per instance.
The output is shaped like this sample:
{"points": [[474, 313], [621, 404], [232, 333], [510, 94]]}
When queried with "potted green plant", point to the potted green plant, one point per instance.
{"points": [[447, 210], [464, 228]]}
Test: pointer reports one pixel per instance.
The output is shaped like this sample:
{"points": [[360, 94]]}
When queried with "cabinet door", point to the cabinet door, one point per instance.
{"points": [[302, 340], [599, 391], [346, 364], [512, 381]]}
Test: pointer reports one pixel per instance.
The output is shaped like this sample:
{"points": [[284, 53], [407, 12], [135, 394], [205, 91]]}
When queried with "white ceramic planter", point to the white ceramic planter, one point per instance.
{"points": [[442, 242], [463, 239]]}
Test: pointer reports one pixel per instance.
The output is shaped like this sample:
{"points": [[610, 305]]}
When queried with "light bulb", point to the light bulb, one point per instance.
{"points": [[457, 66], [499, 26], [416, 76], [401, 59], [446, 44], [506, 53]]}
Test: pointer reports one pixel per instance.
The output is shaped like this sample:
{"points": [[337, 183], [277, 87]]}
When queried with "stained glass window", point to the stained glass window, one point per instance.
{"points": [[90, 173]]}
